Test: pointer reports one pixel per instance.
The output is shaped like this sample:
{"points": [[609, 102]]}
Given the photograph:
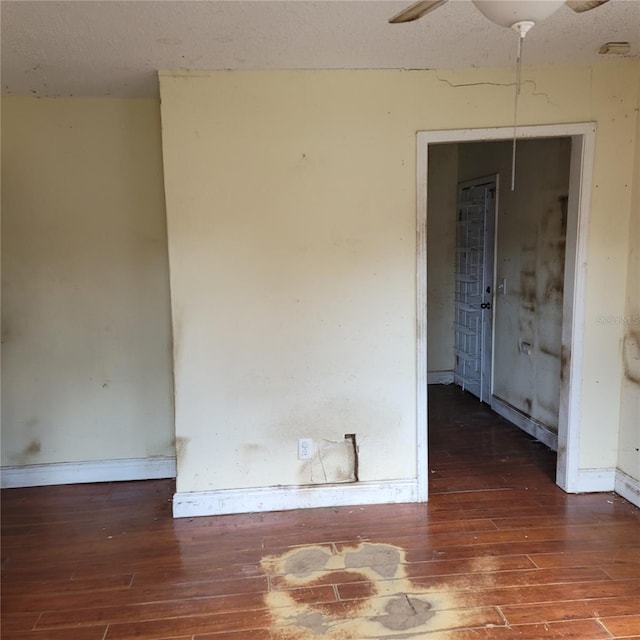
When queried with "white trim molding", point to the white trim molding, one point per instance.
{"points": [[608, 481], [574, 306], [595, 481], [38, 475], [284, 498], [422, 442], [627, 487], [533, 427], [440, 377]]}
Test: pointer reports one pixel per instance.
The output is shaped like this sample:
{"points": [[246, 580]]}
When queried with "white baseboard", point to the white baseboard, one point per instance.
{"points": [[532, 426], [283, 498], [37, 475], [596, 480], [627, 487], [440, 377]]}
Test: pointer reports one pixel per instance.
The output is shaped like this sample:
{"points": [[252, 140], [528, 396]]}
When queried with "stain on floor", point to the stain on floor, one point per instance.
{"points": [[389, 604]]}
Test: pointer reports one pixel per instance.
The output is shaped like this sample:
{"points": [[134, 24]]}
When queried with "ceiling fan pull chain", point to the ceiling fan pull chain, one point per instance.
{"points": [[515, 110]]}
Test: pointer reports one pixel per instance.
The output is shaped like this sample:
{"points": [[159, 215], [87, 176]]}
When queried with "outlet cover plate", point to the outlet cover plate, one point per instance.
{"points": [[305, 449]]}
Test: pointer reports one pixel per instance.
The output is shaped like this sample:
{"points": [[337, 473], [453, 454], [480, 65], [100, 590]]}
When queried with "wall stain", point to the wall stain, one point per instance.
{"points": [[551, 259], [631, 356], [251, 449], [31, 423], [565, 363], [526, 327], [564, 209], [26, 455], [181, 443], [33, 448], [541, 292], [528, 290], [549, 351]]}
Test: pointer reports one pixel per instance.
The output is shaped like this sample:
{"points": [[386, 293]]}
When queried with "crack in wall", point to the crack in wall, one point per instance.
{"points": [[534, 93]]}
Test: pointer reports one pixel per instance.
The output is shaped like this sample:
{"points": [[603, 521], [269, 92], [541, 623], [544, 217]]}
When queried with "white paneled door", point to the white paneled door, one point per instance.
{"points": [[475, 238]]}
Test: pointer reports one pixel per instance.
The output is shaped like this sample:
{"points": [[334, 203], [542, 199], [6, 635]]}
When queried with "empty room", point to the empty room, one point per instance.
{"points": [[320, 319]]}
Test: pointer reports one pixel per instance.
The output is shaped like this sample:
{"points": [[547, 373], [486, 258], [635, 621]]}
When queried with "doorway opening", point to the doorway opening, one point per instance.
{"points": [[569, 306]]}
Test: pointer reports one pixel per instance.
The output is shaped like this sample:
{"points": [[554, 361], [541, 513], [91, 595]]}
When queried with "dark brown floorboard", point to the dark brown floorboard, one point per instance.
{"points": [[499, 552]]}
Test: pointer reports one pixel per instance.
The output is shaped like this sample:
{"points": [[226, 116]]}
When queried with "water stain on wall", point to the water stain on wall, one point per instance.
{"points": [[565, 363], [33, 448], [540, 298], [528, 286], [181, 447], [549, 351], [551, 252]]}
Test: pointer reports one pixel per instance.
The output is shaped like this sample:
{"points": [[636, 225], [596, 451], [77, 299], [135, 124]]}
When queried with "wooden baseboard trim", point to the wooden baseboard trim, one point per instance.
{"points": [[440, 377], [627, 487], [533, 427]]}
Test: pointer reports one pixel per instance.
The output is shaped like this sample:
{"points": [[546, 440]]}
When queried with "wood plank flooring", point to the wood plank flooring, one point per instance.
{"points": [[499, 552]]}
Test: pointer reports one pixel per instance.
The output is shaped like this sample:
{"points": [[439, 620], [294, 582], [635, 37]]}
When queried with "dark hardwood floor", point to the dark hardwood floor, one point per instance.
{"points": [[499, 552]]}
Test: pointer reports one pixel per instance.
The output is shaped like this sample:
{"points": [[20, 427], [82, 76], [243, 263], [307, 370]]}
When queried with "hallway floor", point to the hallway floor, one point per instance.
{"points": [[499, 552]]}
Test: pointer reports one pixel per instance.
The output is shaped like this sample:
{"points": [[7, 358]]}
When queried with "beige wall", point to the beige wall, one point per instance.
{"points": [[441, 258], [291, 209], [289, 260], [629, 444], [531, 232], [86, 362]]}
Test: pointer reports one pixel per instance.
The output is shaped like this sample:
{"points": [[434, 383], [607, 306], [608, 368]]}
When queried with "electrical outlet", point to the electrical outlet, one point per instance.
{"points": [[305, 449]]}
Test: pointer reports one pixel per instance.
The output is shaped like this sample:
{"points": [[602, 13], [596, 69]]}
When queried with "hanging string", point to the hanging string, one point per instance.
{"points": [[515, 110]]}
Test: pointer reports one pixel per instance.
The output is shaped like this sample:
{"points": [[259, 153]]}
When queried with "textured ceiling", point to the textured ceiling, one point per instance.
{"points": [[96, 48]]}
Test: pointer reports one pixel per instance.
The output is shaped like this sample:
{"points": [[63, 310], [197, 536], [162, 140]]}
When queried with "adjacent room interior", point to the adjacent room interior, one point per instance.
{"points": [[503, 346]]}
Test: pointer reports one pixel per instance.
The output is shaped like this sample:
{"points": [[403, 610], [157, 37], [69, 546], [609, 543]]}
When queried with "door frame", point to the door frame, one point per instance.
{"points": [[573, 319]]}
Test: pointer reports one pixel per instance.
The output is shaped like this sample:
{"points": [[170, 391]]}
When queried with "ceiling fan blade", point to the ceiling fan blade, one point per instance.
{"points": [[580, 6], [416, 10]]}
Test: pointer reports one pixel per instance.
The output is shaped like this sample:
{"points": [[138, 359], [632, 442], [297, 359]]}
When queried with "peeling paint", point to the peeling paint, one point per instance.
{"points": [[333, 462]]}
